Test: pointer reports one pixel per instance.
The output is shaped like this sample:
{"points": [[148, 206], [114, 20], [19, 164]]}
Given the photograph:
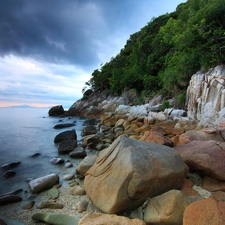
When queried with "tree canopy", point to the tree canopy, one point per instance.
{"points": [[163, 55]]}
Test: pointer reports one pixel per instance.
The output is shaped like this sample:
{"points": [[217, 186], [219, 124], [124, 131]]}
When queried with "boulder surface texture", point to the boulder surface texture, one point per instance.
{"points": [[129, 171]]}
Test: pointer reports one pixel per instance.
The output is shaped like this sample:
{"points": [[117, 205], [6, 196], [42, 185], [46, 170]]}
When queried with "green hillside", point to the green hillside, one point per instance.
{"points": [[163, 55]]}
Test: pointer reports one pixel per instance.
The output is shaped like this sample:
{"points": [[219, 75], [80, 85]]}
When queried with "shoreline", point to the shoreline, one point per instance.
{"points": [[69, 202]]}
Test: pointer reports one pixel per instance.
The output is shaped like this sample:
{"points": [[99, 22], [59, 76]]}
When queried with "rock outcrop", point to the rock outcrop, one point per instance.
{"points": [[129, 171], [206, 97]]}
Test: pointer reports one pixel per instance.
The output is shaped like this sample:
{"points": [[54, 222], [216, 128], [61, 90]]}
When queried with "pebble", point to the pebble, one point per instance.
{"points": [[49, 205], [77, 190], [53, 193], [57, 160], [82, 206], [28, 205]]}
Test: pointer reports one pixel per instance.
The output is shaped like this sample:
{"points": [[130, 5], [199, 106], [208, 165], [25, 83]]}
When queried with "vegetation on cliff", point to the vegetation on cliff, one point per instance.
{"points": [[163, 55]]}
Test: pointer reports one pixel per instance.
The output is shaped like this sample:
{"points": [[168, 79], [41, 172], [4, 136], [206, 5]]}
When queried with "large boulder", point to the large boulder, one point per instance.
{"points": [[56, 110], [205, 156], [129, 171], [65, 135]]}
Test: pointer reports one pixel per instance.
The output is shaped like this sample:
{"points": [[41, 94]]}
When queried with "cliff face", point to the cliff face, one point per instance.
{"points": [[206, 97]]}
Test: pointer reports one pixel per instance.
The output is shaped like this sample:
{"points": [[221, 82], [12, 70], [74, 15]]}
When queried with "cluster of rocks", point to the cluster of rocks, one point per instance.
{"points": [[152, 167]]}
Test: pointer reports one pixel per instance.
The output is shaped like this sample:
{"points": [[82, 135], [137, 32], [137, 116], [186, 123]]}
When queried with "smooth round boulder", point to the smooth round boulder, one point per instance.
{"points": [[66, 135], [42, 183]]}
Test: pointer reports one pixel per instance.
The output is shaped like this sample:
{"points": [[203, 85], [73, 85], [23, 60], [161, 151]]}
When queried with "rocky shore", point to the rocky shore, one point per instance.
{"points": [[139, 164]]}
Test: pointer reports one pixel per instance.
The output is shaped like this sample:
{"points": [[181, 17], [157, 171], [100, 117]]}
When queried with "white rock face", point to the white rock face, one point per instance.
{"points": [[206, 96]]}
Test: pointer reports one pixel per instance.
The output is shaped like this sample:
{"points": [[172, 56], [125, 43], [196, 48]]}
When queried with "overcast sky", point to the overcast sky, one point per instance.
{"points": [[49, 48]]}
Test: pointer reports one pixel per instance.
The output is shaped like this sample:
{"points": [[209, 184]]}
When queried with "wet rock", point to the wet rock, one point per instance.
{"points": [[28, 205], [56, 219], [9, 173], [89, 122], [66, 135], [130, 171], [10, 165], [95, 218], [42, 183], [8, 199], [56, 110], [67, 146], [63, 125], [35, 154], [49, 205], [68, 165], [12, 192], [57, 160], [78, 152]]}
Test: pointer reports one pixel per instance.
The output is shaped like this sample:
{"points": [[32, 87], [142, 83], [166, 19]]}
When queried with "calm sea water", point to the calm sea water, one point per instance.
{"points": [[24, 132]]}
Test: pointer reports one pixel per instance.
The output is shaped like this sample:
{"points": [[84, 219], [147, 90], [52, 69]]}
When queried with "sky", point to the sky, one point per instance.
{"points": [[49, 48]]}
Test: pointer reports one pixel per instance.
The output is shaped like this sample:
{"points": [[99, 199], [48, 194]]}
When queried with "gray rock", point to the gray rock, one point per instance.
{"points": [[57, 160], [10, 165], [42, 183], [67, 146], [78, 152], [56, 110], [8, 199], [63, 125], [66, 135], [89, 130], [9, 173]]}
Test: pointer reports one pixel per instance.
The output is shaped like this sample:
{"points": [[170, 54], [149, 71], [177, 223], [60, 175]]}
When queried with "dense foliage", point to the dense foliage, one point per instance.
{"points": [[163, 55]]}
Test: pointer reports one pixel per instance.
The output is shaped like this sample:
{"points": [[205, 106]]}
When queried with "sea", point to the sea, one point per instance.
{"points": [[25, 132]]}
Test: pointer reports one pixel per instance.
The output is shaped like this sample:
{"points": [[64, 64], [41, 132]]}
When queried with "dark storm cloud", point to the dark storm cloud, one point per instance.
{"points": [[58, 30]]}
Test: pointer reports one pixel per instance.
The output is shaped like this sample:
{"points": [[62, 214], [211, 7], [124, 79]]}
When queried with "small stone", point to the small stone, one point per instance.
{"points": [[53, 193], [68, 165], [68, 177], [49, 205], [82, 206], [28, 205], [57, 160], [77, 190]]}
